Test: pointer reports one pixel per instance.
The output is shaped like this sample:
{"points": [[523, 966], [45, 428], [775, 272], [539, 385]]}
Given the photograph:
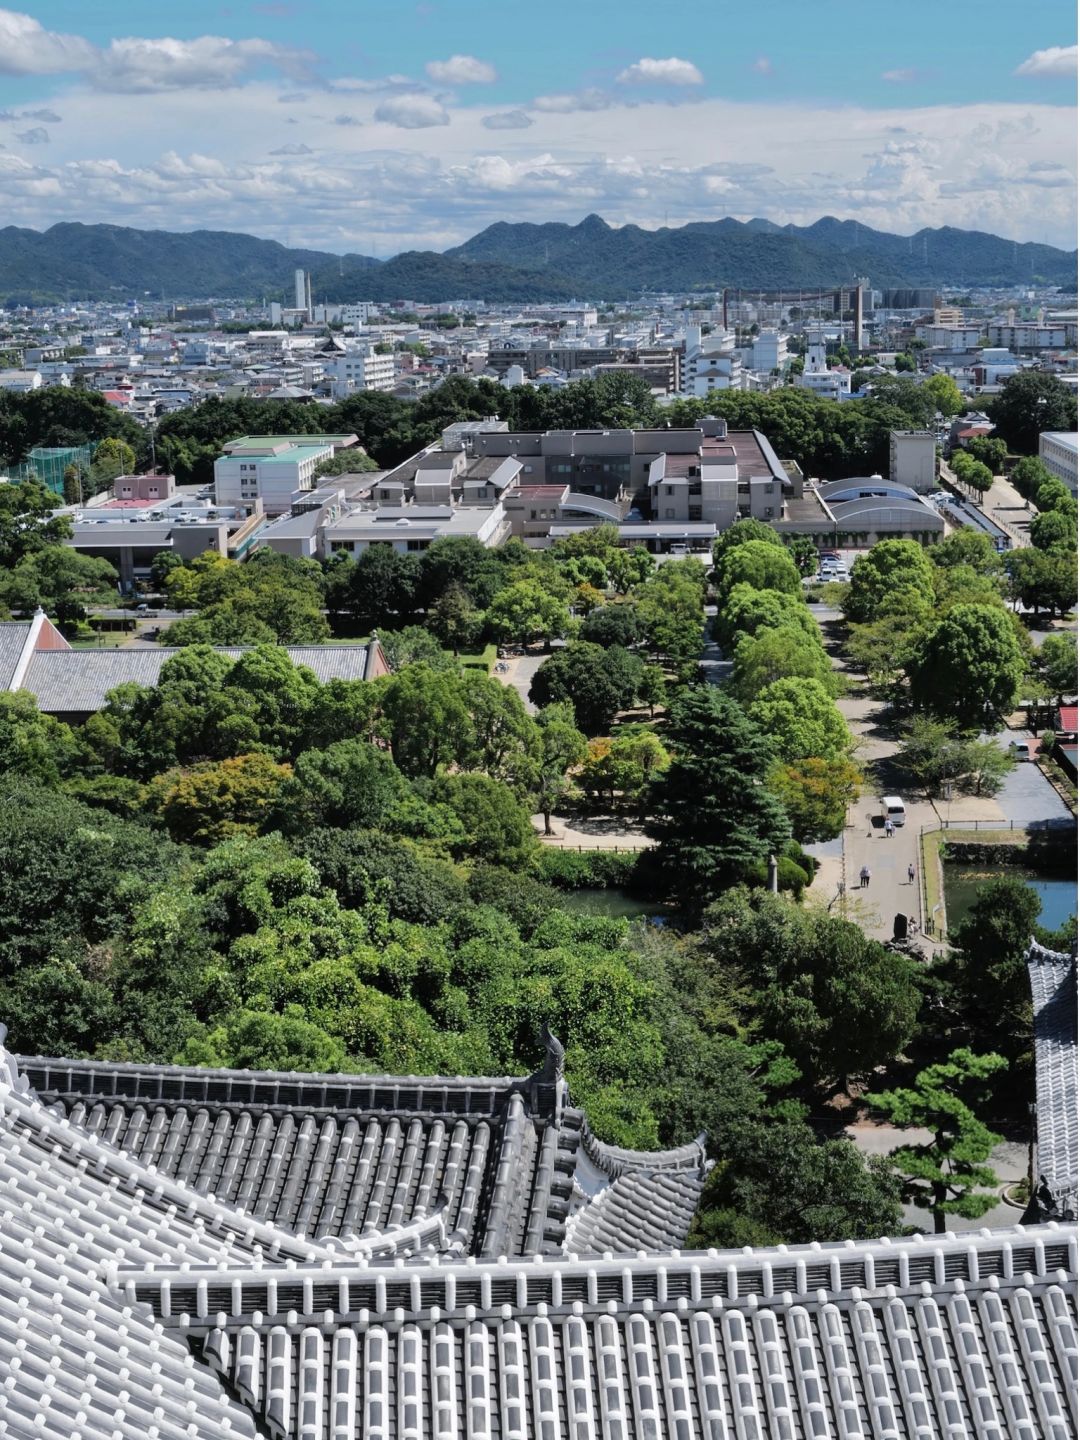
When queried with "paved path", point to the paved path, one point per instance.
{"points": [[520, 674], [595, 832]]}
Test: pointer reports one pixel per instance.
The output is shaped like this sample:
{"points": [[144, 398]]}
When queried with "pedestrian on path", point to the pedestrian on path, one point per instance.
{"points": [[864, 877], [911, 874], [888, 829]]}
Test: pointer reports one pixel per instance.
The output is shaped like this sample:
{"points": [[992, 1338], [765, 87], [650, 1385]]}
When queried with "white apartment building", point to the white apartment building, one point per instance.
{"points": [[271, 468], [712, 362], [360, 312], [1057, 451], [913, 460], [949, 337], [769, 352], [816, 376], [1033, 337], [360, 370]]}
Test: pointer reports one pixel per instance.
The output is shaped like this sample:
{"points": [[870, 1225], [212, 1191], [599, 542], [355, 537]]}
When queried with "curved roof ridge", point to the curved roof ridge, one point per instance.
{"points": [[615, 1160], [15, 1090]]}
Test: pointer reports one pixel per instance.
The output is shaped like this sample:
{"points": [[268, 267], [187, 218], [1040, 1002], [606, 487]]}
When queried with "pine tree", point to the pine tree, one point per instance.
{"points": [[711, 812], [947, 1175]]}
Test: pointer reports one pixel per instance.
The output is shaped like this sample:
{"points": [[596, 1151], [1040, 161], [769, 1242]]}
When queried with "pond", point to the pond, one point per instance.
{"points": [[613, 903], [962, 881]]}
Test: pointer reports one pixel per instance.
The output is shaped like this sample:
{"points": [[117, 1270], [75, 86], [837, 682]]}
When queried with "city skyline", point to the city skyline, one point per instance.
{"points": [[417, 127]]}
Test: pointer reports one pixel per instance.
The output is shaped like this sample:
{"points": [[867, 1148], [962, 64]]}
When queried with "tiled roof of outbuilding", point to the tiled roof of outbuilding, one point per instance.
{"points": [[1053, 993]]}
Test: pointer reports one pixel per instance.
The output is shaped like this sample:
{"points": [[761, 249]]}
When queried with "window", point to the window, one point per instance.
{"points": [[669, 514]]}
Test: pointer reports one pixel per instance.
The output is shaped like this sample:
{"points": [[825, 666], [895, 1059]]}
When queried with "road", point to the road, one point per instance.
{"points": [[1026, 798], [519, 675]]}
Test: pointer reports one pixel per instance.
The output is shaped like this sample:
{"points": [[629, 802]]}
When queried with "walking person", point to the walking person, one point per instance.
{"points": [[864, 877], [911, 874], [888, 829]]}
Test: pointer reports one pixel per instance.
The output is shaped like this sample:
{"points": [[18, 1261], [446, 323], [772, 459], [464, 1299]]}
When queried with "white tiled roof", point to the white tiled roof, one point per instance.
{"points": [[1053, 993]]}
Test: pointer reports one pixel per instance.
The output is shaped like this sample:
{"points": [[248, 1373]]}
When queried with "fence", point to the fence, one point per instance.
{"points": [[1033, 827]]}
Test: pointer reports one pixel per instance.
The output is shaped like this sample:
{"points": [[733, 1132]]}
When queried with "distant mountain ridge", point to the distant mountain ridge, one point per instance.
{"points": [[516, 262]]}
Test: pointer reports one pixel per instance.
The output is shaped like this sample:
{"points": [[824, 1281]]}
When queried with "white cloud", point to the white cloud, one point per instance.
{"points": [[38, 135], [209, 62], [382, 189], [507, 120], [1057, 60], [570, 102], [763, 65], [293, 150], [11, 117], [661, 72], [412, 112], [461, 70], [900, 77], [27, 48]]}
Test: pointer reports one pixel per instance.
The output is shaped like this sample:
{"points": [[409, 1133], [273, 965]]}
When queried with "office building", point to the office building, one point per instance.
{"points": [[269, 468], [913, 460], [1057, 451]]}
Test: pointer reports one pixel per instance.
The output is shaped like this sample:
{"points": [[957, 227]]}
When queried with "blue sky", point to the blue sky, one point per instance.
{"points": [[380, 126]]}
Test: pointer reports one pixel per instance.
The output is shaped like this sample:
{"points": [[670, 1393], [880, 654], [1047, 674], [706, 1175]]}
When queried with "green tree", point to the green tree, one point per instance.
{"points": [[745, 611], [1031, 402], [254, 1040], [760, 565], [1053, 531], [711, 813], [426, 716], [27, 522], [946, 1175], [779, 1184], [1029, 474], [782, 653], [1042, 580], [597, 682], [816, 795], [890, 568], [496, 825], [1057, 663], [33, 745], [461, 561], [804, 552], [946, 394], [969, 666], [376, 590], [219, 799], [613, 625], [350, 783], [525, 612], [970, 548], [562, 745], [455, 620], [993, 453], [801, 719], [740, 533], [112, 457], [839, 1003], [988, 966]]}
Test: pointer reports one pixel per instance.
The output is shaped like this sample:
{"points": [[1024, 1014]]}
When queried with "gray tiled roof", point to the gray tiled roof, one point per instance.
{"points": [[1053, 993], [123, 1288], [930, 1337], [13, 637], [78, 681]]}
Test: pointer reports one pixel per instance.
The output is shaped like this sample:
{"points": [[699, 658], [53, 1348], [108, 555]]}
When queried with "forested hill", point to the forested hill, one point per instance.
{"points": [[513, 262]]}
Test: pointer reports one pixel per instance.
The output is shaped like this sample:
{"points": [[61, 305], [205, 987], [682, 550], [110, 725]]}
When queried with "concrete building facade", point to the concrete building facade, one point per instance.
{"points": [[913, 460]]}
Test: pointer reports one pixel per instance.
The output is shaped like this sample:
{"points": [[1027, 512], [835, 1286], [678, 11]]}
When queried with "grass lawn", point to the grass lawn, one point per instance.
{"points": [[933, 891], [479, 660]]}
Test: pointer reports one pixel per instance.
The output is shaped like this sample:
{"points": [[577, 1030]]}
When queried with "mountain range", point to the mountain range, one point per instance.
{"points": [[516, 262]]}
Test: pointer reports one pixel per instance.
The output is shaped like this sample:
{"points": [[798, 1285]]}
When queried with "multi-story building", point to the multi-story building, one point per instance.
{"points": [[913, 460], [1057, 451], [1033, 336], [364, 369], [816, 376], [768, 352], [949, 337], [711, 363], [270, 468]]}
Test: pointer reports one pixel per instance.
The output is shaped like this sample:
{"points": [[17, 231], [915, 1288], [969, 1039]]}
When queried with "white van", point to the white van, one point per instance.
{"points": [[892, 807]]}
